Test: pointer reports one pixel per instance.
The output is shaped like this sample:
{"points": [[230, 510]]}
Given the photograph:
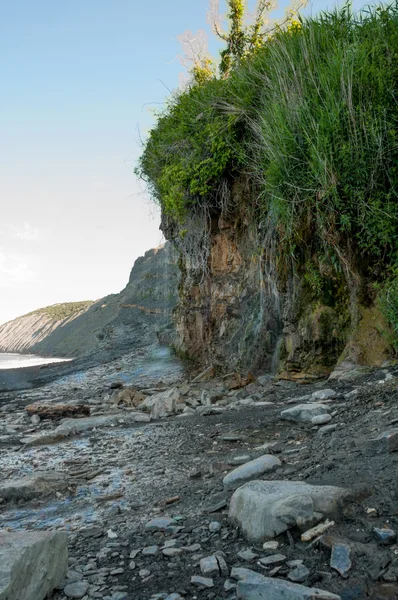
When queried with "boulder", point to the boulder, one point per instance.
{"points": [[40, 484], [264, 509], [251, 470], [162, 404], [304, 413], [32, 564], [129, 397], [278, 589]]}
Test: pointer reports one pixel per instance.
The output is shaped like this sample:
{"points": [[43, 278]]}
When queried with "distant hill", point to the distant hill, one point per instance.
{"points": [[138, 315]]}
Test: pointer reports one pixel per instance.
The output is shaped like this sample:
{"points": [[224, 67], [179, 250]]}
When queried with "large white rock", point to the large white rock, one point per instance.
{"points": [[32, 564], [278, 589], [251, 470], [304, 413], [162, 404], [264, 509], [40, 484]]}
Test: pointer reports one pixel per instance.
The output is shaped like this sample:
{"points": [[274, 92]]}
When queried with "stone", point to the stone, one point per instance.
{"points": [[150, 550], [278, 589], [299, 574], [160, 524], [171, 552], [162, 404], [206, 582], [38, 485], [386, 441], [327, 429], [209, 566], [35, 419], [242, 574], [76, 590], [32, 564], [129, 397], [340, 560], [264, 509], [271, 545], [247, 555], [304, 413], [385, 536], [321, 419], [229, 585], [251, 470], [215, 526], [324, 395], [273, 560]]}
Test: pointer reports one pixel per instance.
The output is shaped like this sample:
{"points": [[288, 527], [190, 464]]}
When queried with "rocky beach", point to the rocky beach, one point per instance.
{"points": [[208, 488]]}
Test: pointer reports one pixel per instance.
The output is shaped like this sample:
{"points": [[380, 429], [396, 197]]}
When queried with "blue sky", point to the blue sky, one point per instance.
{"points": [[79, 81]]}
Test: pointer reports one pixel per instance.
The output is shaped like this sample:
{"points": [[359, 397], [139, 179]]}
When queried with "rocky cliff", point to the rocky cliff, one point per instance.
{"points": [[242, 308], [278, 185], [139, 315]]}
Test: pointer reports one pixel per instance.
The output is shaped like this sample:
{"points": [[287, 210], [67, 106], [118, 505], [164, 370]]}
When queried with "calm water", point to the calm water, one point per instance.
{"points": [[17, 361]]}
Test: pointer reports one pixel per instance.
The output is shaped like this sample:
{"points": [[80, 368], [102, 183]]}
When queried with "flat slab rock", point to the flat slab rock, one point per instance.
{"points": [[278, 589], [32, 564], [264, 509], [41, 484], [251, 470], [71, 426], [304, 413]]}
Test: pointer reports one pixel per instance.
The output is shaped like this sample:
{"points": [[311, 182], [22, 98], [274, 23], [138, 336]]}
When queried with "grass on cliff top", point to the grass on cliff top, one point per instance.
{"points": [[311, 121], [66, 310]]}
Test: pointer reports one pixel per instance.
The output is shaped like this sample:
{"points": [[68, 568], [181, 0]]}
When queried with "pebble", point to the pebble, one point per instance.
{"points": [[273, 560], [247, 555], [206, 582], [144, 573], [159, 524], [209, 566], [385, 536], [76, 590], [150, 550], [299, 574], [340, 560], [271, 545], [170, 552], [321, 419], [215, 526]]}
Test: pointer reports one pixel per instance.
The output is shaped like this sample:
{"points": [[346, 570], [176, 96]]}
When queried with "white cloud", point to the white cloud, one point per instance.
{"points": [[15, 270], [26, 232]]}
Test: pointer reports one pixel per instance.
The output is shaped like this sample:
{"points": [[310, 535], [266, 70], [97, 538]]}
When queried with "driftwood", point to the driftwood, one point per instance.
{"points": [[58, 411]]}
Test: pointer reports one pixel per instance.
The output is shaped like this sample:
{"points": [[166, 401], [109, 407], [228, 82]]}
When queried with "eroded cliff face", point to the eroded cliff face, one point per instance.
{"points": [[244, 308]]}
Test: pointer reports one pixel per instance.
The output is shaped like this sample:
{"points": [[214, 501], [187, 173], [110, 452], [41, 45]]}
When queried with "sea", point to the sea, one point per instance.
{"points": [[18, 361]]}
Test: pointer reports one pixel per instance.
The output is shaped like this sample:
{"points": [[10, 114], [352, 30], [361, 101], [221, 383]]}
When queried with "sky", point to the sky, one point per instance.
{"points": [[80, 80]]}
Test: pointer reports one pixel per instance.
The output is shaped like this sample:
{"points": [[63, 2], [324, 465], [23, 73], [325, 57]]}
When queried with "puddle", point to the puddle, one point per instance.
{"points": [[80, 506]]}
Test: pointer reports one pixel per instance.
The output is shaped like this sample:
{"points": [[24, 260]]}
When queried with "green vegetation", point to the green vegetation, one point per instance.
{"points": [[310, 120], [388, 303], [66, 310]]}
